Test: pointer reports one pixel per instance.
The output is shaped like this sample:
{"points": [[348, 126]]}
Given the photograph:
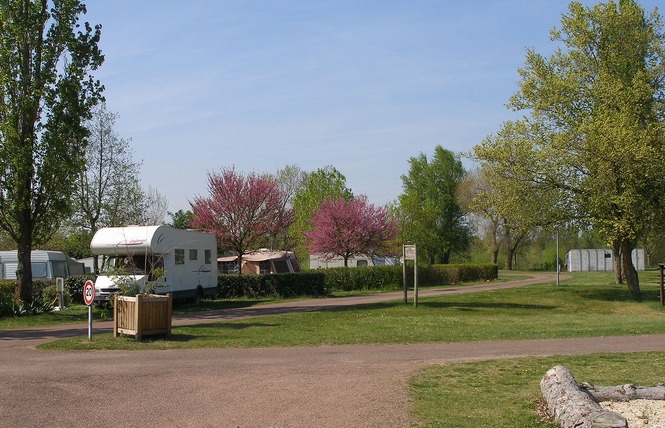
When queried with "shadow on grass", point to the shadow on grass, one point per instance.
{"points": [[237, 325], [473, 306], [617, 293], [461, 306]]}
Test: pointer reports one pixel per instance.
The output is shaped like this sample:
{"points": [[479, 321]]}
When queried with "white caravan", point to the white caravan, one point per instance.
{"points": [[45, 264], [134, 253]]}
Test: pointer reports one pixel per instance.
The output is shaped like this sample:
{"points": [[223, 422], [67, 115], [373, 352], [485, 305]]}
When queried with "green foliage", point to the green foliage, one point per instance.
{"points": [[74, 286], [363, 278], [321, 184], [43, 299], [180, 219], [592, 147], [48, 90], [390, 277], [274, 285], [429, 212]]}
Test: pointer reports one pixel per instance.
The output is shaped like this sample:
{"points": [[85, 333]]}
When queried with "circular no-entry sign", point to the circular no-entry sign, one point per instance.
{"points": [[88, 292]]}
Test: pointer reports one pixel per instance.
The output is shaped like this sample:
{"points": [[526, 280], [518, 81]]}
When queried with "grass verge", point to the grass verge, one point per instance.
{"points": [[504, 393], [586, 305]]}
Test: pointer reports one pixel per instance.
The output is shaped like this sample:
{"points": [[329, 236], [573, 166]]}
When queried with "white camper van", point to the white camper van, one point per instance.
{"points": [[45, 264], [187, 257]]}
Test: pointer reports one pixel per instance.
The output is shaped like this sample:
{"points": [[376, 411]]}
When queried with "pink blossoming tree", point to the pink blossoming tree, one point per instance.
{"points": [[348, 228], [242, 211]]}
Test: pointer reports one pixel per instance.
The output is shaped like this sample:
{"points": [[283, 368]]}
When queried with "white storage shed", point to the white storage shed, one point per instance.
{"points": [[598, 260]]}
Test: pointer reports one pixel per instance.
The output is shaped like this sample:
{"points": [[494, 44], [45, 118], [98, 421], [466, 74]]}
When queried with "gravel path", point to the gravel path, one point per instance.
{"points": [[325, 386]]}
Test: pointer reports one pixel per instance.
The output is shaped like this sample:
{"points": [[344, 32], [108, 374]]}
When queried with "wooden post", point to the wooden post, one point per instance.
{"points": [[115, 315], [137, 316], [662, 295], [170, 311]]}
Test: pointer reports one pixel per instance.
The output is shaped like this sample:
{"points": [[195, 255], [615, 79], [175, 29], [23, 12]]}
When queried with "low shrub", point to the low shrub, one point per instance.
{"points": [[275, 285], [317, 283], [390, 277], [74, 286], [10, 305]]}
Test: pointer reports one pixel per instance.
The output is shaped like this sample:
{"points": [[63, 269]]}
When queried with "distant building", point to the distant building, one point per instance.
{"points": [[598, 260], [318, 261], [260, 262]]}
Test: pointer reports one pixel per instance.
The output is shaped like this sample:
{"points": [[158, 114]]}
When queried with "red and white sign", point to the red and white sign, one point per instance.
{"points": [[88, 292]]}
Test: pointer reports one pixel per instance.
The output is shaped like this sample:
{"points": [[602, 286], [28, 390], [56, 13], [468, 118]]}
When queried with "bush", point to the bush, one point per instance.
{"points": [[274, 285], [390, 277], [364, 278], [74, 286], [41, 302]]}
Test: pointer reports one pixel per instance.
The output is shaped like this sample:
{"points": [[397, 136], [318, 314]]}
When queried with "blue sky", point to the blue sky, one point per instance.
{"points": [[361, 85]]}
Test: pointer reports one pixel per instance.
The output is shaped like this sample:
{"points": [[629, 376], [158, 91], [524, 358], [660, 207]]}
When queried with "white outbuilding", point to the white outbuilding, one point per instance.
{"points": [[599, 260]]}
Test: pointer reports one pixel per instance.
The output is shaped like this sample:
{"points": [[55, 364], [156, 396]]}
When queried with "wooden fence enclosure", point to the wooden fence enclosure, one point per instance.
{"points": [[142, 315]]}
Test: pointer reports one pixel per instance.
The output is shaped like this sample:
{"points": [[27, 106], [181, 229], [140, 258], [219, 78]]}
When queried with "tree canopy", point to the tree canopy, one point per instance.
{"points": [[242, 211], [591, 147], [46, 94], [349, 228], [429, 212], [320, 185]]}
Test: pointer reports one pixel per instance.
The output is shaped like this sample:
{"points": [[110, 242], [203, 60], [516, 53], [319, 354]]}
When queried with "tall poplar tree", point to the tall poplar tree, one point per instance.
{"points": [[430, 214], [594, 135], [46, 94]]}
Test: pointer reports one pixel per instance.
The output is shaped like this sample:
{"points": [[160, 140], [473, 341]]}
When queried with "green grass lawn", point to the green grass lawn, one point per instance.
{"points": [[586, 305], [504, 393]]}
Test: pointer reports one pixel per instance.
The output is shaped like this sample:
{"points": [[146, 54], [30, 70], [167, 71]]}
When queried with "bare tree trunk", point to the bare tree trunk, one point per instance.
{"points": [[629, 270], [572, 406], [625, 392], [495, 255], [24, 267], [616, 249]]}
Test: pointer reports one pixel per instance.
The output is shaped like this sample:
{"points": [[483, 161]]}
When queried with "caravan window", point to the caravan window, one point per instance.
{"points": [[208, 257], [193, 255], [264, 267], [361, 263], [39, 270], [59, 269], [179, 256]]}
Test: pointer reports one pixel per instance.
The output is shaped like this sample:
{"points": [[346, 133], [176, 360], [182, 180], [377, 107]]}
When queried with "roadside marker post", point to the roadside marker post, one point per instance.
{"points": [[88, 298], [410, 252]]}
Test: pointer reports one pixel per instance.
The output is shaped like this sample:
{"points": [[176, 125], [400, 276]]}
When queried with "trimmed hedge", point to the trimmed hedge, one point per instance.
{"points": [[319, 282], [275, 285], [364, 278], [390, 277]]}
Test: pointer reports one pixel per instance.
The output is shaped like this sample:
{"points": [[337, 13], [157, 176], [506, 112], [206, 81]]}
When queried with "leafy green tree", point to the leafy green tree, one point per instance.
{"points": [[593, 141], [47, 93], [430, 214], [181, 219], [320, 185]]}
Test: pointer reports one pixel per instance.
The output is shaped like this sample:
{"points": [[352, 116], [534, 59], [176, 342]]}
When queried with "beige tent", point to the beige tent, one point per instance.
{"points": [[260, 262]]}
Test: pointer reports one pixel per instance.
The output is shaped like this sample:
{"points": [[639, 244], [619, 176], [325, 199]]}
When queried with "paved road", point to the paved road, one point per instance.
{"points": [[325, 386]]}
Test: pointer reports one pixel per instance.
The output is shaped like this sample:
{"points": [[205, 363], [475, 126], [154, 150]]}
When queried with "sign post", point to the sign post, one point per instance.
{"points": [[411, 253], [88, 298]]}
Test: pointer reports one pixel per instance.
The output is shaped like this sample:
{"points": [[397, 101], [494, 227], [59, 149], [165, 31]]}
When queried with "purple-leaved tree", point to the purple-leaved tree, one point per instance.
{"points": [[242, 211], [348, 228]]}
